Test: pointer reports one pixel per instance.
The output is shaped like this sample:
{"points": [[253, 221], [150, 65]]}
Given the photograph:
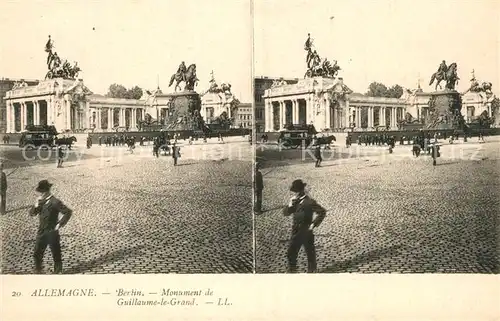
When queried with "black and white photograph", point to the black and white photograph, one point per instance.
{"points": [[126, 137], [377, 137]]}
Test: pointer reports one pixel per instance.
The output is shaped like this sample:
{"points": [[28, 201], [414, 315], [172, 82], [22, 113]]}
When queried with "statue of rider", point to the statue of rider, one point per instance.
{"points": [[308, 48], [182, 70], [48, 49], [442, 69]]}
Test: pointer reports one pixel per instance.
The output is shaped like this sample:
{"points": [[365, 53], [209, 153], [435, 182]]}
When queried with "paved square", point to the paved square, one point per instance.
{"points": [[139, 214], [390, 212]]}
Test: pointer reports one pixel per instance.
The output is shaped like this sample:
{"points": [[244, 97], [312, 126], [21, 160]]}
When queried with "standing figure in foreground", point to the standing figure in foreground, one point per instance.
{"points": [[258, 187], [302, 209], [3, 190], [48, 208], [60, 156], [176, 154], [317, 156]]}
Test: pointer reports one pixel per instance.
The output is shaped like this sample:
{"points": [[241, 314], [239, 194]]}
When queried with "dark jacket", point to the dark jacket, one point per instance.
{"points": [[48, 212], [303, 210], [258, 181], [3, 183]]}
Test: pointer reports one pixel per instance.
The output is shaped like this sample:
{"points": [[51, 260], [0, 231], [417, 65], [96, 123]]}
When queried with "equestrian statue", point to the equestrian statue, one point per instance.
{"points": [[186, 75], [58, 68], [446, 73]]}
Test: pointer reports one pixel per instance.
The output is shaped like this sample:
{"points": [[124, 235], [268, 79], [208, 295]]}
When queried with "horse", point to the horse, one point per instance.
{"points": [[67, 141], [450, 77], [190, 77], [325, 141]]}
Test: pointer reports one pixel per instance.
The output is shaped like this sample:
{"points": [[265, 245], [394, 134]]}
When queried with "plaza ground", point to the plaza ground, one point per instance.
{"points": [[134, 213], [388, 212]]}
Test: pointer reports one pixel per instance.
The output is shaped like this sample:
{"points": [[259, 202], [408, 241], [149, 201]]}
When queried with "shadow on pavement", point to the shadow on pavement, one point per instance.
{"points": [[18, 209], [103, 259], [338, 267]]}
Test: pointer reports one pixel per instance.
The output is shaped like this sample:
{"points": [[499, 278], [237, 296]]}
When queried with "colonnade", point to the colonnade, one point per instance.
{"points": [[132, 117], [382, 118], [45, 111]]}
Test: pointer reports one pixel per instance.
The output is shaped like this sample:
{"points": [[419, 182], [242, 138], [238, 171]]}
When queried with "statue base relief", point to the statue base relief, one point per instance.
{"points": [[445, 111], [183, 111]]}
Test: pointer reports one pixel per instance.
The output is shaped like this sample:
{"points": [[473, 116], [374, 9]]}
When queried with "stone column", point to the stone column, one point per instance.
{"points": [[266, 115], [282, 114], [347, 114], [8, 116], [23, 115], [328, 111], [358, 118], [134, 118], [110, 119], [382, 116]]}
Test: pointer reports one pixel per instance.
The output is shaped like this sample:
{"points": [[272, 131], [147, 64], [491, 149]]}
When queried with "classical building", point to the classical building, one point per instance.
{"points": [[478, 99], [7, 84], [218, 100], [328, 104], [261, 84], [70, 106]]}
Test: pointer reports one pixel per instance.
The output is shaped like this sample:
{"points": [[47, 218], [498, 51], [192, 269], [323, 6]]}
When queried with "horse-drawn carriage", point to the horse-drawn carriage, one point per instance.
{"points": [[306, 136], [44, 137]]}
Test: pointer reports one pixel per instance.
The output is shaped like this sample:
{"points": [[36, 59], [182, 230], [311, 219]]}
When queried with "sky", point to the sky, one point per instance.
{"points": [[131, 42], [392, 42]]}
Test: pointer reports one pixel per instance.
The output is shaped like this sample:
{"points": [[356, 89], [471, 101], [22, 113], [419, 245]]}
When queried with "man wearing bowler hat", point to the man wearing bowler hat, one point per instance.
{"points": [[48, 208], [302, 207]]}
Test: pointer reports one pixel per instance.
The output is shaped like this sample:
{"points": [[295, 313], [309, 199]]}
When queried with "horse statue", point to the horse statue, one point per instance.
{"points": [[450, 76], [190, 77]]}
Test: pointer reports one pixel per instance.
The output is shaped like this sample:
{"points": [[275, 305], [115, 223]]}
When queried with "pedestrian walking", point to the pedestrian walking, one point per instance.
{"points": [[258, 187], [60, 156], [176, 154], [3, 190], [317, 156], [48, 208], [302, 209]]}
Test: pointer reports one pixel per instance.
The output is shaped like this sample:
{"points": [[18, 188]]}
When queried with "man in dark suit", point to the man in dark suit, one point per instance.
{"points": [[258, 187], [48, 208], [3, 190], [302, 209]]}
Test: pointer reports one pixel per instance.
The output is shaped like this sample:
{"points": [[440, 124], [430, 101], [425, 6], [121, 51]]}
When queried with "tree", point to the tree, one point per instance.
{"points": [[135, 92], [119, 91], [377, 89]]}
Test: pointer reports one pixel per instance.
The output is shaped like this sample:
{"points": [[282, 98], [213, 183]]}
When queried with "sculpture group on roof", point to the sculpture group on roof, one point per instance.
{"points": [[19, 84], [278, 82], [57, 67], [484, 87], [317, 67]]}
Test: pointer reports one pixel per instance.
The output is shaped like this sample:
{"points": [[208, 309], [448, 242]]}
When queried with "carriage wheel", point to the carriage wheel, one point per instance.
{"points": [[44, 146], [29, 147]]}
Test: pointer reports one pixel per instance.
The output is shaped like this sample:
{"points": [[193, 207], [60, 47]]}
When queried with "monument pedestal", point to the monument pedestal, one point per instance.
{"points": [[445, 111], [183, 111]]}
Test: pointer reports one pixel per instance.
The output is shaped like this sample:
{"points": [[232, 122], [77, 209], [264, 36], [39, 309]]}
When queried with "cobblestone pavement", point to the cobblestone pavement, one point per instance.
{"points": [[140, 214], [390, 212]]}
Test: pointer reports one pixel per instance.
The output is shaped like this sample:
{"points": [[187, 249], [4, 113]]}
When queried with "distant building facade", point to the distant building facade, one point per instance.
{"points": [[244, 116]]}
